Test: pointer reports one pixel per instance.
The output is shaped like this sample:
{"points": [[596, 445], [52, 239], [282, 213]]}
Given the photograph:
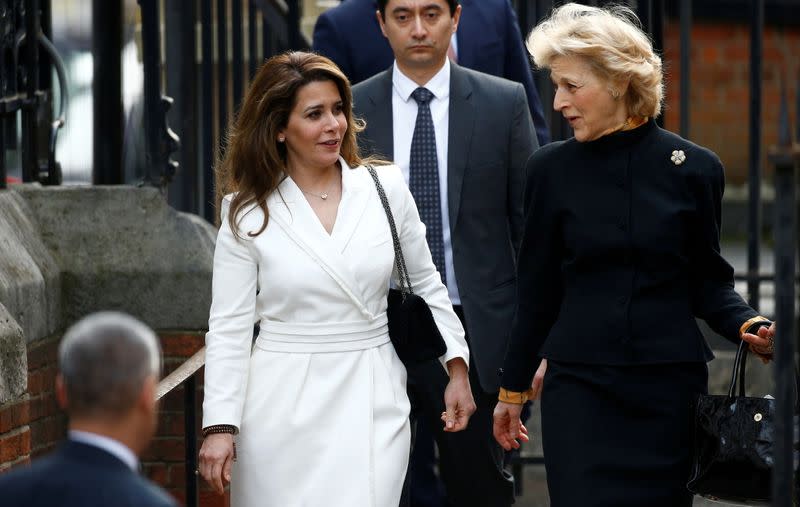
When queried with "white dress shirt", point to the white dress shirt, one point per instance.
{"points": [[111, 446], [404, 114]]}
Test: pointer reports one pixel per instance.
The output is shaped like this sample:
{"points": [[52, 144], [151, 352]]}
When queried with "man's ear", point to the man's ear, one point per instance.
{"points": [[456, 18], [381, 22], [61, 393]]}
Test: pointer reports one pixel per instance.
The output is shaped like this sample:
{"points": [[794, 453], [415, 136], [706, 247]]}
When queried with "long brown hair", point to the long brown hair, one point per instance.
{"points": [[255, 162]]}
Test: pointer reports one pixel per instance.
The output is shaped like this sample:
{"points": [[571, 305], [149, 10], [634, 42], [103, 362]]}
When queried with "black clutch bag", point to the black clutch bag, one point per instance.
{"points": [[733, 448], [414, 333]]}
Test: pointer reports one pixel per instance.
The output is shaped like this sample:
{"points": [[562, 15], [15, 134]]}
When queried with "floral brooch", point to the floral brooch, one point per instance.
{"points": [[678, 157]]}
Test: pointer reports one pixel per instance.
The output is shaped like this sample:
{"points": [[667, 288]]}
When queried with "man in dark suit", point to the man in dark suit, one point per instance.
{"points": [[488, 40], [109, 365], [462, 139]]}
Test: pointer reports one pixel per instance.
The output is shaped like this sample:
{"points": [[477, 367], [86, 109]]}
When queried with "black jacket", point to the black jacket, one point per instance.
{"points": [[79, 475], [620, 253]]}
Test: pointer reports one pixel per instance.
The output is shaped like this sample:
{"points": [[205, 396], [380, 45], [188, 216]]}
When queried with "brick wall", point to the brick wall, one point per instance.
{"points": [[720, 87], [33, 425]]}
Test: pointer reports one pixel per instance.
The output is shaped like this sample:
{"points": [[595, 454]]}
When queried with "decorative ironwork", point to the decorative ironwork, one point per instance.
{"points": [[161, 141], [21, 92]]}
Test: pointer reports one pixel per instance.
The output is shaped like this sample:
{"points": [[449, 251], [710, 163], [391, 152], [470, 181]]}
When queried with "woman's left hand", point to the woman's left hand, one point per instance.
{"points": [[458, 401], [762, 342]]}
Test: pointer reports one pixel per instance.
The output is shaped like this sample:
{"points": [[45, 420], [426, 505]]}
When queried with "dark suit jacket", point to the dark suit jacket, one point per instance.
{"points": [[490, 138], [79, 475], [621, 254], [489, 41]]}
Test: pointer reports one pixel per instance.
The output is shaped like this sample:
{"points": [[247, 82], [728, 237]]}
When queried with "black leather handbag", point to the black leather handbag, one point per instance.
{"points": [[733, 448], [414, 333]]}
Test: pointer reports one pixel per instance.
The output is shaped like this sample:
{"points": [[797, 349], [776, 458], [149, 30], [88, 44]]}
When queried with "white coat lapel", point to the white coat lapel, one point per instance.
{"points": [[355, 198], [289, 209]]}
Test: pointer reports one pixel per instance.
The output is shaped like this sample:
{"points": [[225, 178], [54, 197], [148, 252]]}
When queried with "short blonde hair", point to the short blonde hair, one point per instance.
{"points": [[611, 41]]}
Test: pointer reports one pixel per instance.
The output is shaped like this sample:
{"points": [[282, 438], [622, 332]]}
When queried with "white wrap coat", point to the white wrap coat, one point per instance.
{"points": [[320, 397]]}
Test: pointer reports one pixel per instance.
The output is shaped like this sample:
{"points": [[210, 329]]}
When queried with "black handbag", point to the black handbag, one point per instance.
{"points": [[414, 333], [734, 436]]}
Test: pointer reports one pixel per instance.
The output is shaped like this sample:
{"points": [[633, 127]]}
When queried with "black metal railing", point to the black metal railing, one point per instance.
{"points": [[26, 94], [786, 159], [206, 84]]}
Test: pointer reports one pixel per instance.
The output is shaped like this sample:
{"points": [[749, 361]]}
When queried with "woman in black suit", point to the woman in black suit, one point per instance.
{"points": [[620, 255]]}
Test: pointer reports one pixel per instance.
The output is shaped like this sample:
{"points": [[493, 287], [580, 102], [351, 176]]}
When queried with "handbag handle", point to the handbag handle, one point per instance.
{"points": [[738, 370], [739, 365], [399, 260]]}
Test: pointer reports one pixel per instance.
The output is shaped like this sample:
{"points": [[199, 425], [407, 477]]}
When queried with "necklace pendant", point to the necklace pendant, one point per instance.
{"points": [[324, 196]]}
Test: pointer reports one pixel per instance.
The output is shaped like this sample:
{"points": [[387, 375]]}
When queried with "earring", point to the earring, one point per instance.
{"points": [[281, 139]]}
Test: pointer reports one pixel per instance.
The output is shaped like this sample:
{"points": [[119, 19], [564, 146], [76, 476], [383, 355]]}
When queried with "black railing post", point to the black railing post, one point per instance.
{"points": [[190, 429], [237, 65], [754, 174], [785, 158], [44, 114], [222, 73], [183, 82], [108, 112], [686, 54], [267, 36], [207, 108], [296, 40], [160, 140], [30, 149], [252, 32]]}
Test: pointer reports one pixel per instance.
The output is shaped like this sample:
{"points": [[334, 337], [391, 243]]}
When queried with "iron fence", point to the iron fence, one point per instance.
{"points": [[206, 82], [26, 94]]}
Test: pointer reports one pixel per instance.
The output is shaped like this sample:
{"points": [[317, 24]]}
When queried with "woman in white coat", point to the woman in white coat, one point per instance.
{"points": [[317, 404]]}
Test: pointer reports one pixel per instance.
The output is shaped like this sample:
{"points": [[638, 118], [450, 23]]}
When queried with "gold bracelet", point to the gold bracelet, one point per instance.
{"points": [[750, 322], [515, 397]]}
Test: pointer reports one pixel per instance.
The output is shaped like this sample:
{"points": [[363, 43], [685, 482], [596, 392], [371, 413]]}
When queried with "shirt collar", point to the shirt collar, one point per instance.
{"points": [[439, 84], [111, 446]]}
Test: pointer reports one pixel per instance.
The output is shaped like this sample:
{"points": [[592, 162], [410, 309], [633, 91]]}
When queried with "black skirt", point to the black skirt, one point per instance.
{"points": [[618, 436]]}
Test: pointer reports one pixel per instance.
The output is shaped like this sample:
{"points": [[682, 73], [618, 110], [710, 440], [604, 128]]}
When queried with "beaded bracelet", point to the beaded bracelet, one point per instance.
{"points": [[219, 428]]}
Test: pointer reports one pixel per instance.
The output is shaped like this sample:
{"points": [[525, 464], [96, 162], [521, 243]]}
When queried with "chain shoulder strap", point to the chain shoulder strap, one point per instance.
{"points": [[399, 260]]}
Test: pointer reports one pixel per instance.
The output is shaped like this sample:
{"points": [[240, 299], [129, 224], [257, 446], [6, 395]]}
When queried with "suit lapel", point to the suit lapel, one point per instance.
{"points": [[379, 126], [462, 119]]}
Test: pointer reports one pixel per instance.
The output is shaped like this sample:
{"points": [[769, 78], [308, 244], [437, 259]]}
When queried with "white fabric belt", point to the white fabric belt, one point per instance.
{"points": [[323, 337]]}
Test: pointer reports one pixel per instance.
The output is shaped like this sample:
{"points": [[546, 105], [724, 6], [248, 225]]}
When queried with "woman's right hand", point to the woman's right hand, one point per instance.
{"points": [[216, 460], [508, 427]]}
